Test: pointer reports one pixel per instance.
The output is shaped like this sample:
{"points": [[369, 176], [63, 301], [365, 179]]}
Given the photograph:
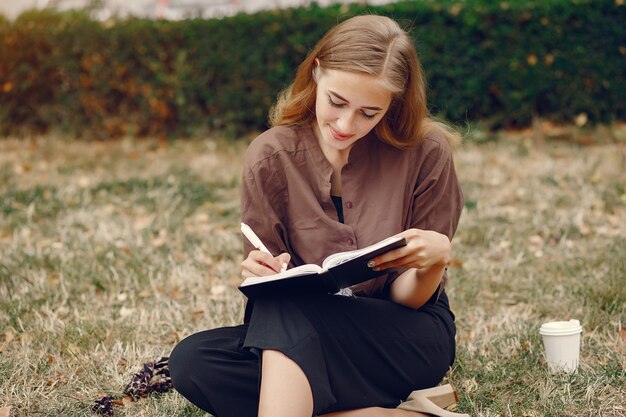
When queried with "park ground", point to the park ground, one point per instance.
{"points": [[112, 252]]}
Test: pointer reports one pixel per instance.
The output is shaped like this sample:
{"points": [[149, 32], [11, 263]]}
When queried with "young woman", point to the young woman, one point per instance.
{"points": [[352, 158]]}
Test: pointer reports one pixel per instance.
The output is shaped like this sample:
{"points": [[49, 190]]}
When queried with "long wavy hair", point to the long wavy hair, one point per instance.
{"points": [[374, 45]]}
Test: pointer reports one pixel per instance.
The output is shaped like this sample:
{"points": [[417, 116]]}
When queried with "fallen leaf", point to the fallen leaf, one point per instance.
{"points": [[173, 338], [144, 294], [581, 119], [469, 385], [456, 9], [125, 312], [217, 290], [22, 168], [8, 336], [83, 181], [623, 334], [487, 294], [142, 222], [536, 241], [158, 241], [175, 294], [202, 217], [160, 238]]}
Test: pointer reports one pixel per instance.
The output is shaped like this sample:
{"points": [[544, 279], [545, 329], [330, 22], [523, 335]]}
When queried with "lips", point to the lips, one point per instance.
{"points": [[338, 136]]}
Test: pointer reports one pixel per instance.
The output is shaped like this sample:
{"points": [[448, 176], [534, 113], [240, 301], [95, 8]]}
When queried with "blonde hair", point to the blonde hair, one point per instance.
{"points": [[374, 45]]}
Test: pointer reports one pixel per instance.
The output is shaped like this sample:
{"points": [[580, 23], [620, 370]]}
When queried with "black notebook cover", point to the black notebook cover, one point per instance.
{"points": [[335, 278]]}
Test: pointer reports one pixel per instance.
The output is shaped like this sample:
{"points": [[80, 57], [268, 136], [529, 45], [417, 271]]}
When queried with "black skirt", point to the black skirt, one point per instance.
{"points": [[355, 351]]}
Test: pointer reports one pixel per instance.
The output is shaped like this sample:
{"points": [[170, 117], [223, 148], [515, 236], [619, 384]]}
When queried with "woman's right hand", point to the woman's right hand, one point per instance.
{"points": [[259, 264]]}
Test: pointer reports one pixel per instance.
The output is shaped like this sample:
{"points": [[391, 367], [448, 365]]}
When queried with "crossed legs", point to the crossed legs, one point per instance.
{"points": [[219, 369]]}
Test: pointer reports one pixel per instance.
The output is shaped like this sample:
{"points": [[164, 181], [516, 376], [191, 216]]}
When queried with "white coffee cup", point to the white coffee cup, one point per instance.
{"points": [[561, 340]]}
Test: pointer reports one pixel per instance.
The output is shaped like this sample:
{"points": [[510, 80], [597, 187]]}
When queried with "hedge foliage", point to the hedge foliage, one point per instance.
{"points": [[503, 62]]}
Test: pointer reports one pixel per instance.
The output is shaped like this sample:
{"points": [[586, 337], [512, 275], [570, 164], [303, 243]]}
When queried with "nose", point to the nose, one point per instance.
{"points": [[345, 122]]}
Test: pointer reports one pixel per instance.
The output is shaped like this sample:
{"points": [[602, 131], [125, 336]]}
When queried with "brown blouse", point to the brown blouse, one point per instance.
{"points": [[285, 196]]}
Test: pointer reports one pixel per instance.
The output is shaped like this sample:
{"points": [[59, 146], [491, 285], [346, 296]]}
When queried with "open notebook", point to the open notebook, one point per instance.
{"points": [[339, 270]]}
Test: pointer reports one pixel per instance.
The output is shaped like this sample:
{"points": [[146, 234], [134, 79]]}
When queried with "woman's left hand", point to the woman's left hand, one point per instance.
{"points": [[424, 249]]}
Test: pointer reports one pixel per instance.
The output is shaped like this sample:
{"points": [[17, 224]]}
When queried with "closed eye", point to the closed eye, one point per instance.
{"points": [[341, 105], [334, 103]]}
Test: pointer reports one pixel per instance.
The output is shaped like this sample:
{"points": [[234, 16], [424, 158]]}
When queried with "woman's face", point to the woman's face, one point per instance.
{"points": [[348, 105]]}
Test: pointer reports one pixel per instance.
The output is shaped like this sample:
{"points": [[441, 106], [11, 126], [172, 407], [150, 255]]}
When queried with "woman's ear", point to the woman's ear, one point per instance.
{"points": [[316, 70]]}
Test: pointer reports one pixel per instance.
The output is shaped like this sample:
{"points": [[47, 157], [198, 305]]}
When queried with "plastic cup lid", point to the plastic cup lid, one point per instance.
{"points": [[561, 328]]}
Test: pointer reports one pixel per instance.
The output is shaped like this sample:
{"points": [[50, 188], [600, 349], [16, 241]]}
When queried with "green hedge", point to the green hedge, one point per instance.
{"points": [[500, 62]]}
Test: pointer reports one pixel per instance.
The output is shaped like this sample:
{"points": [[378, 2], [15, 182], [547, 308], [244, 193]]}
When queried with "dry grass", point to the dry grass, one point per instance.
{"points": [[112, 252]]}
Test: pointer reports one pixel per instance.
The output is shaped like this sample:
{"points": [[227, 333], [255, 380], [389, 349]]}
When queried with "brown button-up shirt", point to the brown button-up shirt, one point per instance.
{"points": [[285, 196]]}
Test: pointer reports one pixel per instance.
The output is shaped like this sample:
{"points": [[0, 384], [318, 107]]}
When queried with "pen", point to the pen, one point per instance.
{"points": [[256, 242]]}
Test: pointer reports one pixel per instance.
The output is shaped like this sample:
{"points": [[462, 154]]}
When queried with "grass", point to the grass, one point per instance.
{"points": [[112, 252]]}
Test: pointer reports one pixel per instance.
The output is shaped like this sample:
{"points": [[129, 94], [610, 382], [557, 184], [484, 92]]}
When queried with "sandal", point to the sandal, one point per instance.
{"points": [[433, 401]]}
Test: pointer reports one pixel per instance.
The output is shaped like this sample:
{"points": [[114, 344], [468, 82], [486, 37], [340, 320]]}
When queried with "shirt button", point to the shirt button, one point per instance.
{"points": [[349, 204], [350, 241]]}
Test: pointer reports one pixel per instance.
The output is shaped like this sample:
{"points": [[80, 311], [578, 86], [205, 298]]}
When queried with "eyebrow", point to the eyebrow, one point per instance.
{"points": [[347, 101]]}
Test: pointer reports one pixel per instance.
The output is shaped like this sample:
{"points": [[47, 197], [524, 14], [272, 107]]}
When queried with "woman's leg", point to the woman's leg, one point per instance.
{"points": [[285, 389], [214, 372], [355, 352]]}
